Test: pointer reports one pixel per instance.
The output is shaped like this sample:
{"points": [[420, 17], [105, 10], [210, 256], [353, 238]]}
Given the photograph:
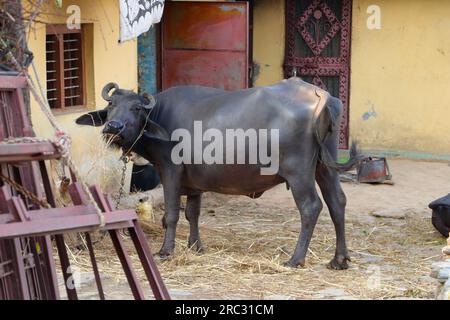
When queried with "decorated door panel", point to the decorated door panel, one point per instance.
{"points": [[318, 48], [205, 43]]}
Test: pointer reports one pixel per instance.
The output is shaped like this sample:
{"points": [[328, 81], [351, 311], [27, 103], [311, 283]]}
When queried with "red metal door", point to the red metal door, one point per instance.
{"points": [[205, 43], [318, 48]]}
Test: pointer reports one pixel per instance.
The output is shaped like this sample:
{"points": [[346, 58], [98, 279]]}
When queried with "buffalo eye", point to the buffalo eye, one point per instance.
{"points": [[137, 107]]}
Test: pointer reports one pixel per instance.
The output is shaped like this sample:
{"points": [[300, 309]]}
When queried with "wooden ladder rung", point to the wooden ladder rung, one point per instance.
{"points": [[29, 151]]}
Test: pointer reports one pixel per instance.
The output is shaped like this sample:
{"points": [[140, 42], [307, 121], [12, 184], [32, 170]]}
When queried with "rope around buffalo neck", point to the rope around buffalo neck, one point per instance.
{"points": [[62, 141]]}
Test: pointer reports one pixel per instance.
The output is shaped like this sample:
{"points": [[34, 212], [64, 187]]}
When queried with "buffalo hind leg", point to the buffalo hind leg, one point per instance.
{"points": [[309, 205], [328, 181], [192, 215]]}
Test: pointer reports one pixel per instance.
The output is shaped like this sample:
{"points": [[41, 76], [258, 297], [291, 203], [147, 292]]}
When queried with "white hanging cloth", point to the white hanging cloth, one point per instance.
{"points": [[137, 16]]}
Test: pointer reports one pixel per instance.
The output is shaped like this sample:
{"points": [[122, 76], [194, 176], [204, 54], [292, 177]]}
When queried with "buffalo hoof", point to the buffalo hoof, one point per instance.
{"points": [[294, 264], [339, 262], [163, 255], [196, 246]]}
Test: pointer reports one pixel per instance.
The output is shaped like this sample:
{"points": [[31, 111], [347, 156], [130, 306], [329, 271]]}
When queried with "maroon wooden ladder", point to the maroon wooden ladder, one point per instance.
{"points": [[27, 267]]}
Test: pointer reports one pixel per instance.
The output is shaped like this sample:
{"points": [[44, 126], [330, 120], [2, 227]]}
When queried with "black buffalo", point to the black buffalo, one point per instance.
{"points": [[440, 217], [306, 117]]}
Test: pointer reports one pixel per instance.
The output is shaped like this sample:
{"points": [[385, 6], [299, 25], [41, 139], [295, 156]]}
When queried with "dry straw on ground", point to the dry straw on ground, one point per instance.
{"points": [[247, 242]]}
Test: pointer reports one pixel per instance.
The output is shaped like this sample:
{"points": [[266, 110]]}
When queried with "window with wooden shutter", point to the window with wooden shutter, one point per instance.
{"points": [[65, 73]]}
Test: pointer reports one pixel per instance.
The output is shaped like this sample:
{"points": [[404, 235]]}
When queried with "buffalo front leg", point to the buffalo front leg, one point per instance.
{"points": [[309, 205], [192, 215], [328, 181], [171, 217]]}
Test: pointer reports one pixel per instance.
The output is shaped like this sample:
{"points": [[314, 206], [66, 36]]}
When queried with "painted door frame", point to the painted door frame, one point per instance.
{"points": [[150, 47]]}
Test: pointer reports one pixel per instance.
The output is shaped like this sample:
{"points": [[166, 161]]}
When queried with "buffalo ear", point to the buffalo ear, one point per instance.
{"points": [[155, 131], [94, 118]]}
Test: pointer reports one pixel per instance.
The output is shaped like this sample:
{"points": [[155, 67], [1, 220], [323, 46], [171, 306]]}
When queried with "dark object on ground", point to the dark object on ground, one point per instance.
{"points": [[369, 170], [373, 170], [307, 121], [144, 178], [441, 214]]}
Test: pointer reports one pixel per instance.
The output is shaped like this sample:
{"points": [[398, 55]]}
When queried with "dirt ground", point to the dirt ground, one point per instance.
{"points": [[248, 240]]}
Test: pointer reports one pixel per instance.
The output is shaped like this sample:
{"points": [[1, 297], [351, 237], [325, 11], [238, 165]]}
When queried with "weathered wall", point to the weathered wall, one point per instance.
{"points": [[109, 61], [399, 97], [400, 76], [399, 79], [147, 61], [268, 41]]}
